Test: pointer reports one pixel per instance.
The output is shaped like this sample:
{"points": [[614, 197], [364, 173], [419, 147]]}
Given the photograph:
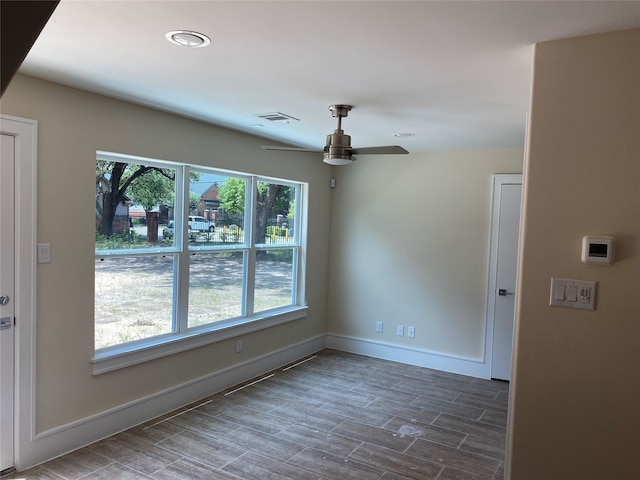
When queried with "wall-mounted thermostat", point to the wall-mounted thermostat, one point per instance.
{"points": [[598, 249]]}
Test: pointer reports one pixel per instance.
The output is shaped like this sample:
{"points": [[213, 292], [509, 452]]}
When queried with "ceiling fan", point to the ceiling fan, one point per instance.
{"points": [[338, 150]]}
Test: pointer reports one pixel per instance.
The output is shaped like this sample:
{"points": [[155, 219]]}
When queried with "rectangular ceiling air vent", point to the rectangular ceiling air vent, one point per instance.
{"points": [[278, 117]]}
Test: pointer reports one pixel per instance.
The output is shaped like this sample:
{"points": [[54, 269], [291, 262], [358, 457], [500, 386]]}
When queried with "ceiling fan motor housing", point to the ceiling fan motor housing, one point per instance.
{"points": [[338, 148]]}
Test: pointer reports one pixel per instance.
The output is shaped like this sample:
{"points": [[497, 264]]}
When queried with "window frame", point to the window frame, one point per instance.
{"points": [[182, 337]]}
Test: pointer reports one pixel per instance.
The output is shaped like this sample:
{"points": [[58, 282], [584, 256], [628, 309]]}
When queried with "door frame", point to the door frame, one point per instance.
{"points": [[497, 181], [25, 132]]}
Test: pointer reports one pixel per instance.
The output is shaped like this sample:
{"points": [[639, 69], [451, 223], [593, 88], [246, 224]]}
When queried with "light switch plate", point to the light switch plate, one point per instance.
{"points": [[44, 253], [573, 293]]}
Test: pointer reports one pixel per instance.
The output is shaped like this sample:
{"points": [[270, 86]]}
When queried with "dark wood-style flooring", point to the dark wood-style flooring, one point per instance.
{"points": [[332, 416]]}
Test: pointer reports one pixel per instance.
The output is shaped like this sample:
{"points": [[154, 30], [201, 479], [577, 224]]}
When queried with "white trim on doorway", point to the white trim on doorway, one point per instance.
{"points": [[496, 182], [25, 133]]}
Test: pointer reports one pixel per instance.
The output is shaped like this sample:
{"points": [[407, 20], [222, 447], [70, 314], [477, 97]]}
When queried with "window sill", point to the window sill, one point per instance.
{"points": [[104, 362]]}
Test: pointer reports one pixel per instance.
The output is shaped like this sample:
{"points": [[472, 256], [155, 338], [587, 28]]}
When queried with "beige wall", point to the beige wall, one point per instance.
{"points": [[409, 239], [72, 125], [575, 411]]}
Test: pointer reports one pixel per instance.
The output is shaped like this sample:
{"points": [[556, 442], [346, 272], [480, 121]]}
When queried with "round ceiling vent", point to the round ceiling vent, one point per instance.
{"points": [[187, 38]]}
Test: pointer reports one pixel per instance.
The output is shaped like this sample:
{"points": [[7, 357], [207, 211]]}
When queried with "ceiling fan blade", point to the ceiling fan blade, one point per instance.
{"points": [[386, 150], [291, 149]]}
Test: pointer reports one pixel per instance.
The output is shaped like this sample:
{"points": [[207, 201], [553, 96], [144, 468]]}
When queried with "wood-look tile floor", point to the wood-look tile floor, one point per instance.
{"points": [[333, 416]]}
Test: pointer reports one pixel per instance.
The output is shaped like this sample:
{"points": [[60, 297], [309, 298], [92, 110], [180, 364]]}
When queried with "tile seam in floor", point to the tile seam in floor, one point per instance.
{"points": [[262, 379], [298, 364], [177, 414]]}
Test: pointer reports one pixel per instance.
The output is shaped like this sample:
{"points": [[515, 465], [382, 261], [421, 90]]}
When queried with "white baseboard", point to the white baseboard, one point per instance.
{"points": [[422, 358], [66, 438]]}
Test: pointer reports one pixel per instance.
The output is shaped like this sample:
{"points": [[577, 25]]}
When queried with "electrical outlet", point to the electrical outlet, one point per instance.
{"points": [[411, 332], [238, 345], [379, 327], [400, 331]]}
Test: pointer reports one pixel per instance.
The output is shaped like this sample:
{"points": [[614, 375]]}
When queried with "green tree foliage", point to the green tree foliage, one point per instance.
{"points": [[155, 187], [115, 185], [272, 199], [282, 200], [292, 210], [231, 196], [194, 199], [119, 182]]}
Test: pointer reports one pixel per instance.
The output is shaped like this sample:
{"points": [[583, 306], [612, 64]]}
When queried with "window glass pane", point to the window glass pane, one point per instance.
{"points": [[133, 298], [216, 209], [275, 211], [215, 287], [274, 278], [134, 204]]}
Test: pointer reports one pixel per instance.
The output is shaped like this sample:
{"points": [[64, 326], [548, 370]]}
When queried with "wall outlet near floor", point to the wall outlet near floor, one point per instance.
{"points": [[411, 332], [379, 327], [238, 345], [400, 330]]}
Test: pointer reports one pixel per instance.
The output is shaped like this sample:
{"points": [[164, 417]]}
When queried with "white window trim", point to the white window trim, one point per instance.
{"points": [[158, 347], [133, 353]]}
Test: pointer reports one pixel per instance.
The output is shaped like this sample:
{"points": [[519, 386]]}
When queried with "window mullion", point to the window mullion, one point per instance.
{"points": [[300, 257], [181, 279], [250, 255]]}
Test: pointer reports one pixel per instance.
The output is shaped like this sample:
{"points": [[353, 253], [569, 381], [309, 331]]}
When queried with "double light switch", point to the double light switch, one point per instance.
{"points": [[573, 293]]}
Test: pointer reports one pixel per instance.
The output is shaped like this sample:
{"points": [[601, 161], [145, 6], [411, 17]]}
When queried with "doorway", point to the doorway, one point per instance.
{"points": [[18, 138], [7, 275], [503, 268]]}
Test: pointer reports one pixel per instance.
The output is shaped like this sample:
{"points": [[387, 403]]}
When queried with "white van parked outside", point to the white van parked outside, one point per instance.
{"points": [[201, 224]]}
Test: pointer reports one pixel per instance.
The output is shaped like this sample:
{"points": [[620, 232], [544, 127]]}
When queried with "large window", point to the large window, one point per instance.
{"points": [[183, 251]]}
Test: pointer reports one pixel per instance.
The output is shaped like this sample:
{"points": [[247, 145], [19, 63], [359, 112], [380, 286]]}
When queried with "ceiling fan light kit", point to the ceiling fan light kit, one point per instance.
{"points": [[338, 150], [337, 159]]}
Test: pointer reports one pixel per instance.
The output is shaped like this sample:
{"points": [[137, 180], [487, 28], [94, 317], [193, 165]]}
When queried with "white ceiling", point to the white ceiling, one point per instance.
{"points": [[455, 74]]}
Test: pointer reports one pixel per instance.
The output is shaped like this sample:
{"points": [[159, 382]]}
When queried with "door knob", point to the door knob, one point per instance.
{"points": [[4, 299], [503, 292]]}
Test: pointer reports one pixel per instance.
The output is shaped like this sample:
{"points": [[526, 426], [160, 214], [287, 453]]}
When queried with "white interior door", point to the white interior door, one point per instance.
{"points": [[7, 330], [505, 234]]}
